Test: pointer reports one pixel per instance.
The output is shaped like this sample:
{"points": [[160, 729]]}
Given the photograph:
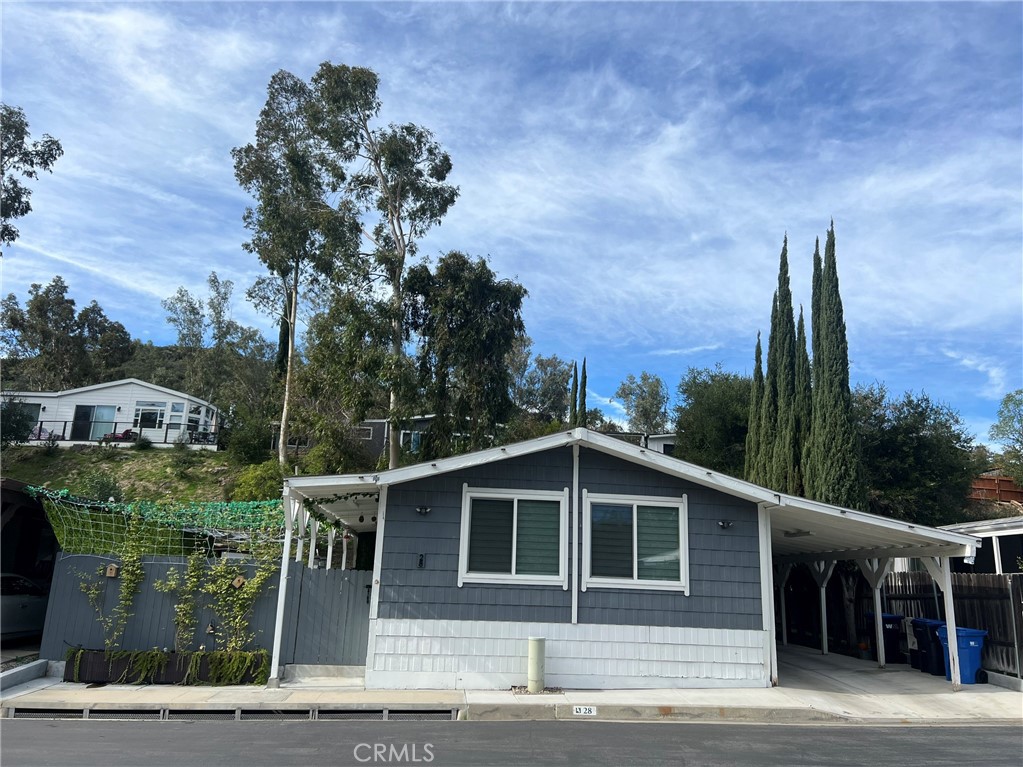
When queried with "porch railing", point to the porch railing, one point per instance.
{"points": [[116, 432]]}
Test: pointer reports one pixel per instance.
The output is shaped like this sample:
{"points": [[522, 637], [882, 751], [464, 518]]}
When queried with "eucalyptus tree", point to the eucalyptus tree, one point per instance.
{"points": [[393, 179], [646, 403], [295, 231], [20, 157]]}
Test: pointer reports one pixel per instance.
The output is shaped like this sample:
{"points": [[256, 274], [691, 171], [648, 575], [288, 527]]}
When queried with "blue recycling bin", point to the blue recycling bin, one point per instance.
{"points": [[971, 646], [928, 645]]}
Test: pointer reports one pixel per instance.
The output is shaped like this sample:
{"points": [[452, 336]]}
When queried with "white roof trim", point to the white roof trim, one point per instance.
{"points": [[937, 541], [108, 384]]}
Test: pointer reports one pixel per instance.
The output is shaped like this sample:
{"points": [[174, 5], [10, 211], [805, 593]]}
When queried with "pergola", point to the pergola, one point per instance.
{"points": [[792, 529]]}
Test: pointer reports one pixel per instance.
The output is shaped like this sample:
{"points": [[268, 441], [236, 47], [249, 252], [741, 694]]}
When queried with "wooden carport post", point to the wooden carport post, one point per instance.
{"points": [[875, 570], [821, 572], [941, 571]]}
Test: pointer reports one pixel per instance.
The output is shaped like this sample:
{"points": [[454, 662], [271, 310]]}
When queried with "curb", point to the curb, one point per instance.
{"points": [[21, 674], [610, 713]]}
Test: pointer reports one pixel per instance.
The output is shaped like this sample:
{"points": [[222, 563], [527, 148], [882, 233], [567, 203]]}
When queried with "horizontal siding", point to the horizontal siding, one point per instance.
{"points": [[432, 592], [724, 564], [413, 654]]}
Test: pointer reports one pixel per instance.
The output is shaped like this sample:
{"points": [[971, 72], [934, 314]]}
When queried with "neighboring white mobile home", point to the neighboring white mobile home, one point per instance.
{"points": [[118, 413]]}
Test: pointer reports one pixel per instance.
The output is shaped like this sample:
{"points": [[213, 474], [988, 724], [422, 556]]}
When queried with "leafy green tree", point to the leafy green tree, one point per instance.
{"points": [[466, 321], [20, 157], [832, 465], [1008, 432], [918, 456], [540, 384], [712, 419], [49, 346], [646, 403], [16, 422]]}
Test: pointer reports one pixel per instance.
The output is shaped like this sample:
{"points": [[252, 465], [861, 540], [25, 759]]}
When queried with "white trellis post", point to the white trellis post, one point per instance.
{"points": [[331, 533], [314, 527]]}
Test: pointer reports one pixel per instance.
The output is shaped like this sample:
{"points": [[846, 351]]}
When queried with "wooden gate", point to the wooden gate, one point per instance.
{"points": [[332, 622]]}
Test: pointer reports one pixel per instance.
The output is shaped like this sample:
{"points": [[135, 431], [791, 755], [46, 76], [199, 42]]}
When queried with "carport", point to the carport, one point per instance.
{"points": [[821, 535]]}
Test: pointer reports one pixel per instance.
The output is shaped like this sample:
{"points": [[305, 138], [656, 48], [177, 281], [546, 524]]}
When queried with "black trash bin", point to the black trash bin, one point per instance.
{"points": [[891, 630], [932, 656]]}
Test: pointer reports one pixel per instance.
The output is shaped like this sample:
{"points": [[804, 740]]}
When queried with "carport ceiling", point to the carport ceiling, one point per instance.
{"points": [[801, 534]]}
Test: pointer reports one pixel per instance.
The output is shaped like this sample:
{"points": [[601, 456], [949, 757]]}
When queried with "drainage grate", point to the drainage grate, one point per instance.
{"points": [[342, 715], [47, 713], [421, 716], [303, 714], [199, 716], [133, 714]]}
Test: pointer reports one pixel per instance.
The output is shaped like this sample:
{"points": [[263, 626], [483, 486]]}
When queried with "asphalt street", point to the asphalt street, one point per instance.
{"points": [[31, 743]]}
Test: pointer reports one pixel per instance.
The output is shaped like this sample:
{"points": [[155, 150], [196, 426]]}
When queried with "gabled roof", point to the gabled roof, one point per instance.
{"points": [[801, 529], [108, 385]]}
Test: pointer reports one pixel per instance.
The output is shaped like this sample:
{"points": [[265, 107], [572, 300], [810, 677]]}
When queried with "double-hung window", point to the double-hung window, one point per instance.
{"points": [[635, 542], [514, 536]]}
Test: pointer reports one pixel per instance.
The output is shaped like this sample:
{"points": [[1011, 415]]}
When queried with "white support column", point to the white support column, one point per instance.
{"points": [[767, 593], [941, 571], [331, 534], [781, 579], [300, 519], [996, 549], [821, 572], [344, 551], [574, 537], [314, 528], [289, 505], [875, 570]]}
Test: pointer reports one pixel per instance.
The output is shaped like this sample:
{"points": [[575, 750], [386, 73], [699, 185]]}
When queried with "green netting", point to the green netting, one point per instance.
{"points": [[164, 528]]}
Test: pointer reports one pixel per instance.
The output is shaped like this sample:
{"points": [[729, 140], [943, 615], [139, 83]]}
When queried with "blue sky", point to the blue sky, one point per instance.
{"points": [[635, 166]]}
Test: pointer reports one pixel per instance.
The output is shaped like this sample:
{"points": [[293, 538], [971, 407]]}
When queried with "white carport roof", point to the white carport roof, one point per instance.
{"points": [[801, 530]]}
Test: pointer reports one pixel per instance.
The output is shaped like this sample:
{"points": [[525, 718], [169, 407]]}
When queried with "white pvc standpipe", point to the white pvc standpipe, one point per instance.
{"points": [[535, 674]]}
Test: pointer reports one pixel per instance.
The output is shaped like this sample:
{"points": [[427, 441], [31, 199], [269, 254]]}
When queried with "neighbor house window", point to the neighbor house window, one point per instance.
{"points": [[514, 536], [635, 542], [149, 415]]}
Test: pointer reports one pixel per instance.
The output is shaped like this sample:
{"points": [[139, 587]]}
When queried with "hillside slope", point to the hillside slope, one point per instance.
{"points": [[138, 474]]}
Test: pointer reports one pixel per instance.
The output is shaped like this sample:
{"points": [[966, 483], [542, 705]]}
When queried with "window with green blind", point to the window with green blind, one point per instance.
{"points": [[513, 536], [639, 543]]}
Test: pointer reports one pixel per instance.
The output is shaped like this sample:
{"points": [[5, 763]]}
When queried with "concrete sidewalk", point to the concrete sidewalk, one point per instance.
{"points": [[814, 689]]}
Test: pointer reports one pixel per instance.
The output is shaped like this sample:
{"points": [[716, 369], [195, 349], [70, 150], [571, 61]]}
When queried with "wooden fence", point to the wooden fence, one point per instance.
{"points": [[996, 489], [993, 603]]}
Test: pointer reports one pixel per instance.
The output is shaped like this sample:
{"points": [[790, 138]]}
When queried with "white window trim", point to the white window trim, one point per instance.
{"points": [[682, 504], [469, 493]]}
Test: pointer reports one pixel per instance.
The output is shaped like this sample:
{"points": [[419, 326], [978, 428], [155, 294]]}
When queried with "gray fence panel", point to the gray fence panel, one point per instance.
{"points": [[332, 622]]}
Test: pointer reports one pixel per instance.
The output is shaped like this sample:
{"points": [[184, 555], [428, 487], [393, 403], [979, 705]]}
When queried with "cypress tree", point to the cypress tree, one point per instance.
{"points": [[753, 445], [833, 472], [572, 416], [581, 411], [783, 466], [803, 400], [769, 405]]}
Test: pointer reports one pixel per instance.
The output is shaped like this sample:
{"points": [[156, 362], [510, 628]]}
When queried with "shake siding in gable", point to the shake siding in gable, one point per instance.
{"points": [[432, 592], [724, 564]]}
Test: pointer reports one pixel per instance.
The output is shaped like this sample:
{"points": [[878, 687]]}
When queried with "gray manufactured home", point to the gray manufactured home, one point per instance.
{"points": [[638, 569]]}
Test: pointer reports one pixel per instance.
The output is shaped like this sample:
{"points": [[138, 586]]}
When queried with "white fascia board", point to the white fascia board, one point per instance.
{"points": [[988, 527], [934, 534]]}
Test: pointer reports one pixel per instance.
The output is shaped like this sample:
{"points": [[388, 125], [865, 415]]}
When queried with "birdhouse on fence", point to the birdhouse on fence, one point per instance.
{"points": [[113, 570], [238, 582]]}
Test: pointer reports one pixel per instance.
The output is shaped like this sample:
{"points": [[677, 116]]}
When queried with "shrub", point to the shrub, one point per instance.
{"points": [[99, 485], [260, 482], [142, 443]]}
